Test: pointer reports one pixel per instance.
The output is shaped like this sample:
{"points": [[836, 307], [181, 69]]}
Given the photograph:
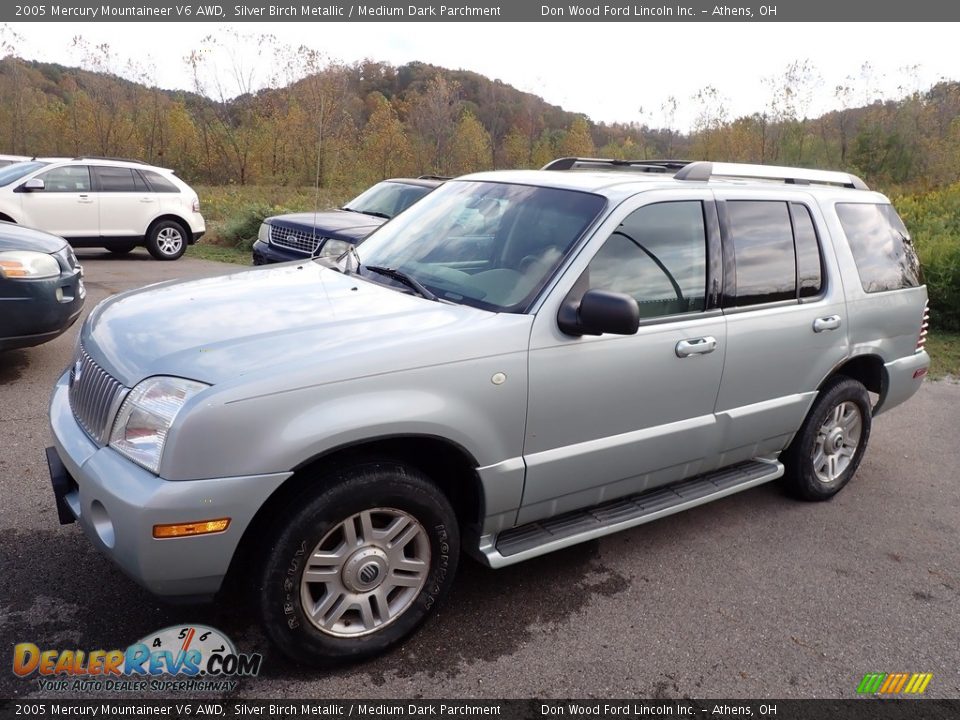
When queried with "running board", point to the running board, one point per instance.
{"points": [[538, 538]]}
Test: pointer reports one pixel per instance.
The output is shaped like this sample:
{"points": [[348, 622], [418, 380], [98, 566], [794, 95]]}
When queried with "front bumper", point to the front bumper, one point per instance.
{"points": [[265, 254], [36, 311], [117, 503]]}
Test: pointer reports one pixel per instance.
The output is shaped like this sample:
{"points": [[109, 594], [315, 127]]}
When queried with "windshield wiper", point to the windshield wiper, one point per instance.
{"points": [[408, 280]]}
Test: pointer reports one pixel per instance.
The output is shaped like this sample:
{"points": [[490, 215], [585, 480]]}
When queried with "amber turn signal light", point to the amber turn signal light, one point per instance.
{"points": [[203, 527]]}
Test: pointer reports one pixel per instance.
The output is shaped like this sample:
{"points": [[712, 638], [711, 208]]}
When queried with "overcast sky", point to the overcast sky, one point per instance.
{"points": [[609, 71]]}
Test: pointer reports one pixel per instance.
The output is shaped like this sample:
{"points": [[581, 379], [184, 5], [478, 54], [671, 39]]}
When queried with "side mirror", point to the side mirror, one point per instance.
{"points": [[599, 312], [33, 184]]}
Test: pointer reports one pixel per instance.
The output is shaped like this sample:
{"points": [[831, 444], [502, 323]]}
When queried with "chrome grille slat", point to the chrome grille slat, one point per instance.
{"points": [[98, 393], [92, 396], [295, 239]]}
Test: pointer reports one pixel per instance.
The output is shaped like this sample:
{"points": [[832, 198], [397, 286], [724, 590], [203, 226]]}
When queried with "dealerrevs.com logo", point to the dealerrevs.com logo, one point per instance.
{"points": [[182, 657]]}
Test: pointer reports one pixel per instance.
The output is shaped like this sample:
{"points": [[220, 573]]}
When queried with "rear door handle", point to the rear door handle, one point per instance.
{"points": [[85, 199], [696, 346], [831, 322], [146, 200]]}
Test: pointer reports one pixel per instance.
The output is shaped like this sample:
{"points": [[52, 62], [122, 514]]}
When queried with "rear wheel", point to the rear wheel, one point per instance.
{"points": [[356, 567], [167, 240], [827, 450]]}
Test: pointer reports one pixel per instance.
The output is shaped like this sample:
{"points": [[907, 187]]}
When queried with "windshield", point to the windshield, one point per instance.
{"points": [[12, 173], [387, 199], [491, 245]]}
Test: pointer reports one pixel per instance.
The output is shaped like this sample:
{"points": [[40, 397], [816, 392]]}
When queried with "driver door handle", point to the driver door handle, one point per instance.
{"points": [[696, 346], [831, 322]]}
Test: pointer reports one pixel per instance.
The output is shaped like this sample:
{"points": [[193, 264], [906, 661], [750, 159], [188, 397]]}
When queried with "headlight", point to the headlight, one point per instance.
{"points": [[28, 264], [263, 234], [334, 248], [146, 415]]}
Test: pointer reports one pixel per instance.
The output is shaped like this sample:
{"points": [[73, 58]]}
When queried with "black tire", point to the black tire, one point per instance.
{"points": [[167, 240], [121, 249], [824, 440], [378, 488]]}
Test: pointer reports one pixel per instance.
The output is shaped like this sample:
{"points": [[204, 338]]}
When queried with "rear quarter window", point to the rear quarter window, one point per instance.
{"points": [[881, 246], [158, 183]]}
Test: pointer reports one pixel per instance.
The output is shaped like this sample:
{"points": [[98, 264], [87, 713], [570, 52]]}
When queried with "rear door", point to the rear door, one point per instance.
{"points": [[786, 318], [617, 414], [127, 204]]}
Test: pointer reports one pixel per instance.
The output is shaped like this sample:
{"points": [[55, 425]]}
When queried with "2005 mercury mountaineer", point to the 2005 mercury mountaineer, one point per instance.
{"points": [[522, 361]]}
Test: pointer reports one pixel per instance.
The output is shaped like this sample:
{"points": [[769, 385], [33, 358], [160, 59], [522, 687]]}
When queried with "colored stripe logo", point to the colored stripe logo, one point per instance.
{"points": [[894, 683]]}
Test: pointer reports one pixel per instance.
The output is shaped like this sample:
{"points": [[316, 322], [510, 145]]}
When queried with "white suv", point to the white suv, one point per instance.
{"points": [[101, 202]]}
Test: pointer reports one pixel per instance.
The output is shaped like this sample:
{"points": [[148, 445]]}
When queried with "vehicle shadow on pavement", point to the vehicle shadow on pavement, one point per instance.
{"points": [[59, 592], [12, 364]]}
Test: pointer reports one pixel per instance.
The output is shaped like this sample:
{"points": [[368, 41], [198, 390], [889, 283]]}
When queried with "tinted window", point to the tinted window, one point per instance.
{"points": [[72, 178], [115, 179], [763, 249], [658, 256], [881, 246], [809, 262], [387, 199], [158, 183]]}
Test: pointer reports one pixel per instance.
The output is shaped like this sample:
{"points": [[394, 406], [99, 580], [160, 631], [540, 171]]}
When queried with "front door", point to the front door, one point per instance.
{"points": [[66, 206], [613, 415]]}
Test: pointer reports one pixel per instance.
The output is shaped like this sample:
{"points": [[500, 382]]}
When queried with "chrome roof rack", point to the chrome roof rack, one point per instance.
{"points": [[111, 159], [704, 171], [579, 163]]}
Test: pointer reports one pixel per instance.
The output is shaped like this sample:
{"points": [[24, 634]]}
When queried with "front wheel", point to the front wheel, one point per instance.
{"points": [[827, 450], [167, 240], [357, 566]]}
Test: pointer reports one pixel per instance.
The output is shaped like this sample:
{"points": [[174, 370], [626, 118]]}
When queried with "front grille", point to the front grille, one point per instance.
{"points": [[295, 239], [94, 397]]}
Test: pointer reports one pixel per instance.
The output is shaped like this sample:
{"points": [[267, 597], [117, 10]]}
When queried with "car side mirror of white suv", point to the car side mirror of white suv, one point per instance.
{"points": [[33, 184]]}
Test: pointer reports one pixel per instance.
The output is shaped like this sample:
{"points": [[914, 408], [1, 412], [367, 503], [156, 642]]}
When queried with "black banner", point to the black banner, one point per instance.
{"points": [[859, 709], [478, 11]]}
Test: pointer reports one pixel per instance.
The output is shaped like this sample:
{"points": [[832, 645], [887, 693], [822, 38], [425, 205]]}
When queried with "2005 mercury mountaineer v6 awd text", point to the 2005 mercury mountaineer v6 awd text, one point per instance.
{"points": [[522, 361]]}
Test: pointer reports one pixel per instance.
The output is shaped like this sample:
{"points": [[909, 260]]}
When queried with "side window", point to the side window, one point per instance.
{"points": [[763, 250], [658, 255], [139, 183], [881, 246], [71, 178], [158, 183], [809, 261], [115, 179]]}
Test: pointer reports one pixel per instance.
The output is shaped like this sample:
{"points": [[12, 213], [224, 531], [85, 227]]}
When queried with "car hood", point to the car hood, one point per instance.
{"points": [[290, 321], [17, 237], [340, 224]]}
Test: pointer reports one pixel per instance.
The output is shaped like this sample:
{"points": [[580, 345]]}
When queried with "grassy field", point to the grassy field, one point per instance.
{"points": [[944, 349]]}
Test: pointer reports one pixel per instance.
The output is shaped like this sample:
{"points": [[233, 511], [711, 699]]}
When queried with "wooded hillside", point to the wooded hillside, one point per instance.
{"points": [[352, 124]]}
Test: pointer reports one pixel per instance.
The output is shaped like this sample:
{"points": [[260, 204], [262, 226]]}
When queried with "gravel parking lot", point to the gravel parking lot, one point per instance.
{"points": [[753, 596]]}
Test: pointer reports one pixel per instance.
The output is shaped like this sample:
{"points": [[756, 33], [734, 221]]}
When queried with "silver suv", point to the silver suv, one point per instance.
{"points": [[522, 361]]}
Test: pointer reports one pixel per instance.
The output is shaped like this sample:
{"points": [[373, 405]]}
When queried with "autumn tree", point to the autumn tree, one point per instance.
{"points": [[433, 116], [577, 141], [470, 149], [385, 149]]}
